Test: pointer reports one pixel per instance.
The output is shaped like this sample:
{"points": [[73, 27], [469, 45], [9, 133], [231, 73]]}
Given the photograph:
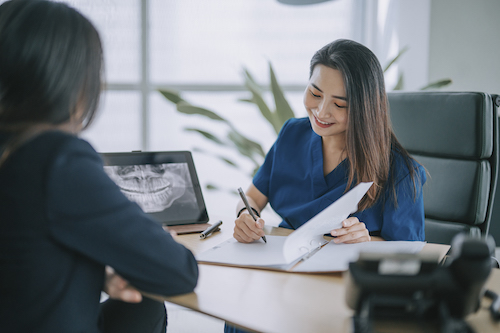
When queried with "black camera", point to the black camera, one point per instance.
{"points": [[412, 286]]}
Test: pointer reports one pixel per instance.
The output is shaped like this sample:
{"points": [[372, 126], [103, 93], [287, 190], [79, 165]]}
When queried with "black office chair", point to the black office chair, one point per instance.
{"points": [[454, 135]]}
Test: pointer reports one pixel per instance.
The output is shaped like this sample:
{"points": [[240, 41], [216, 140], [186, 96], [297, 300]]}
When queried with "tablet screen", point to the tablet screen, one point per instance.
{"points": [[164, 184]]}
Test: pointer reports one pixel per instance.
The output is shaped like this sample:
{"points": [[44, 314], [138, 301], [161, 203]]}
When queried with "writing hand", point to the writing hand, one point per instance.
{"points": [[119, 288], [246, 230], [352, 231]]}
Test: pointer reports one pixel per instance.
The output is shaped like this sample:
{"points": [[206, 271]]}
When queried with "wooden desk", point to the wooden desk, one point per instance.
{"points": [[268, 301]]}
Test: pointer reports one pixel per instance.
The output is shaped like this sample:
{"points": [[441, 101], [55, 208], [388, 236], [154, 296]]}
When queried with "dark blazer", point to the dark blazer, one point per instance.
{"points": [[61, 221]]}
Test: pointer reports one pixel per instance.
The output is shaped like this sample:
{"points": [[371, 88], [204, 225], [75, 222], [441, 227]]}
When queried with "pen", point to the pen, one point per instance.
{"points": [[210, 230], [249, 209]]}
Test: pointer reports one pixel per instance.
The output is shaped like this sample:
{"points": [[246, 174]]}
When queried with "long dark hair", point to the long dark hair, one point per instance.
{"points": [[50, 67], [370, 139]]}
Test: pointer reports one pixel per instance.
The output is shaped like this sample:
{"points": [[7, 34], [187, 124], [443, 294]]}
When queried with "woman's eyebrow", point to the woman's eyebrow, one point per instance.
{"points": [[316, 87], [334, 96]]}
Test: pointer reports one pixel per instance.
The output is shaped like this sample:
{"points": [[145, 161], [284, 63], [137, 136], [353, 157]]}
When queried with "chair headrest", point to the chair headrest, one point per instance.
{"points": [[452, 124]]}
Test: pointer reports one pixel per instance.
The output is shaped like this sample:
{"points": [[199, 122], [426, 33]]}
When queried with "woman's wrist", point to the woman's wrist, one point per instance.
{"points": [[244, 208]]}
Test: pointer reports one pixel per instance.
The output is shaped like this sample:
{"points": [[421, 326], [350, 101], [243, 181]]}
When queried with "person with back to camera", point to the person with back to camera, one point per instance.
{"points": [[66, 230], [346, 139]]}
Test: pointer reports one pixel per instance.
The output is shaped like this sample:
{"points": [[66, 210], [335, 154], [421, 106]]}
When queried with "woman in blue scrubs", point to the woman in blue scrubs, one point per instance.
{"points": [[346, 139]]}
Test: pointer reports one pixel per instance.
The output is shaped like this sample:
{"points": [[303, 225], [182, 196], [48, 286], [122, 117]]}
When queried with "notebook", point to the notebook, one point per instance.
{"points": [[164, 184]]}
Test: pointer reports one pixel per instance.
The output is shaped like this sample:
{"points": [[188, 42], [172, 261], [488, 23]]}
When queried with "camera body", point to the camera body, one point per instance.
{"points": [[411, 285]]}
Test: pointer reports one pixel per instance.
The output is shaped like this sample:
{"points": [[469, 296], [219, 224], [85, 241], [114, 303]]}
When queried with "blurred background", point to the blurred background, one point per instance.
{"points": [[201, 48]]}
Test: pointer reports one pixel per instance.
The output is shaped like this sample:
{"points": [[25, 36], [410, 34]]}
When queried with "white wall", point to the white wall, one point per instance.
{"points": [[455, 39], [390, 26], [413, 32], [465, 44]]}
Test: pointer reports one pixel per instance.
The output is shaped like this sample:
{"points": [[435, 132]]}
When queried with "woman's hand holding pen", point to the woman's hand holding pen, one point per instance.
{"points": [[352, 231], [246, 230]]}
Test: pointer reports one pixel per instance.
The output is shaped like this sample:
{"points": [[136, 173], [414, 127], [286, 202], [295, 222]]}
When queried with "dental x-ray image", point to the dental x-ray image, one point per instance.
{"points": [[154, 187]]}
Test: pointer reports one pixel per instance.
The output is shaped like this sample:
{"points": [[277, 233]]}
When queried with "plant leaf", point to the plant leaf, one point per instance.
{"points": [[400, 83], [231, 163], [172, 95], [244, 146], [250, 81], [222, 158], [240, 144], [437, 84], [207, 135], [283, 109], [187, 108], [258, 100], [211, 187], [403, 50], [247, 142], [255, 171], [266, 112]]}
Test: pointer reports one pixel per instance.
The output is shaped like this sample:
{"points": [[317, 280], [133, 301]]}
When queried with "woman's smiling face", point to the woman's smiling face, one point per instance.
{"points": [[326, 102]]}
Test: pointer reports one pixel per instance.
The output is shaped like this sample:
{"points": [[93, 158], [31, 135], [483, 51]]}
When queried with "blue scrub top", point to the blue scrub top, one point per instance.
{"points": [[293, 181]]}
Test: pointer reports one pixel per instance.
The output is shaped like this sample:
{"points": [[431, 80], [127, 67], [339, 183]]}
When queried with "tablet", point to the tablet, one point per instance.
{"points": [[164, 184]]}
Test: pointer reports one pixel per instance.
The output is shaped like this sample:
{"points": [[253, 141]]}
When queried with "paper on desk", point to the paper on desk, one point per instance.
{"points": [[336, 257], [310, 235], [258, 253], [282, 252]]}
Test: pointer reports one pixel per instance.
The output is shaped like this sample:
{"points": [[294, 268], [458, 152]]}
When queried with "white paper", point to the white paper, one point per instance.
{"points": [[282, 252], [336, 257], [258, 253], [310, 235]]}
